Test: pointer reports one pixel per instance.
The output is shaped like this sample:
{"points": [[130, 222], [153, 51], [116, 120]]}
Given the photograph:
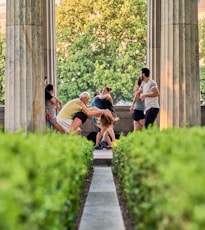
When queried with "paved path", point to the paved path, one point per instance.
{"points": [[102, 210]]}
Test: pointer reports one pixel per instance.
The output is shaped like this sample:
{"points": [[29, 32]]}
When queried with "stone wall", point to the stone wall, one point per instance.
{"points": [[1, 116], [124, 125], [203, 115]]}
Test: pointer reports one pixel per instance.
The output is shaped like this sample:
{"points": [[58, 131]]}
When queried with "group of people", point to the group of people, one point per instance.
{"points": [[144, 108], [145, 105], [75, 112]]}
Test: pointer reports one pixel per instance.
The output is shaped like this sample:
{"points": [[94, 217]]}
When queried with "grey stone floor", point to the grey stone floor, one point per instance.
{"points": [[102, 210]]}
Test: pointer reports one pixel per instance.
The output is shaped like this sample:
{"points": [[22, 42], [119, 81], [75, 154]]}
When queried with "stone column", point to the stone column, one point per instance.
{"points": [[154, 39], [49, 40], [24, 104], [180, 84]]}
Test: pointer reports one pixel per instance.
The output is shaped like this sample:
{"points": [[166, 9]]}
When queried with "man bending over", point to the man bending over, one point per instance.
{"points": [[76, 112]]}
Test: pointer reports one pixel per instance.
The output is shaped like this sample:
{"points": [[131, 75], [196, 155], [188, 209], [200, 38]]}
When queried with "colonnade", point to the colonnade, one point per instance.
{"points": [[172, 58]]}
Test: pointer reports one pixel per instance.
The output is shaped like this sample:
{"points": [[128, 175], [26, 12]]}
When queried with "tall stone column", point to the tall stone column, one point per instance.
{"points": [[154, 39], [49, 40], [180, 84], [24, 104]]}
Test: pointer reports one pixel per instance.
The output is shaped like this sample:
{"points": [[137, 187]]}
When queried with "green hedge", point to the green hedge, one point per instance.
{"points": [[41, 180], [162, 177]]}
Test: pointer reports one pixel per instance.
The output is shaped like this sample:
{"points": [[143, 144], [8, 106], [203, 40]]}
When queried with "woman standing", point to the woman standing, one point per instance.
{"points": [[138, 110]]}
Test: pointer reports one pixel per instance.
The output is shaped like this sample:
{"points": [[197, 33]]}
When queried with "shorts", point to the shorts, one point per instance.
{"points": [[65, 123], [82, 116], [150, 116], [138, 115]]}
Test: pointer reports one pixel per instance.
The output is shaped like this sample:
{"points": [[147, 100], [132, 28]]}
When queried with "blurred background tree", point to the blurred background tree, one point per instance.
{"points": [[100, 43], [2, 69], [202, 56]]}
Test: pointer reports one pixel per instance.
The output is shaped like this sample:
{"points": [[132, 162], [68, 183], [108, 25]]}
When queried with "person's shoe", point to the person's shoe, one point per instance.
{"points": [[98, 148], [104, 144], [108, 147]]}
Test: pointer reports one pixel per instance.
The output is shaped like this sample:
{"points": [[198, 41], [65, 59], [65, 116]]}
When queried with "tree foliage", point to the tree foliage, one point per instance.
{"points": [[202, 56], [100, 43], [2, 69]]}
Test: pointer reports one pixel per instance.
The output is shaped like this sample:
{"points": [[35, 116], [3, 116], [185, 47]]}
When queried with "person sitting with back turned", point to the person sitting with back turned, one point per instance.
{"points": [[76, 112]]}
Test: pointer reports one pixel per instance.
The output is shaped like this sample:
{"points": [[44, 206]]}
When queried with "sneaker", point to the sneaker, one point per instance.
{"points": [[108, 147], [104, 144], [98, 148]]}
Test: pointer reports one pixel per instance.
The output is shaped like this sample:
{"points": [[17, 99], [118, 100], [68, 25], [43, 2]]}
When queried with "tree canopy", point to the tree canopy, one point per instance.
{"points": [[100, 43], [202, 56], [2, 69]]}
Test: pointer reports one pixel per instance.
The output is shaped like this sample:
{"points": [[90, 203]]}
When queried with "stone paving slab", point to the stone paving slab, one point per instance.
{"points": [[102, 154], [102, 210], [98, 198]]}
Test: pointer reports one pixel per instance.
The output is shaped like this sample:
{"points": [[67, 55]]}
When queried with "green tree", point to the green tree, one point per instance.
{"points": [[100, 43], [202, 56], [2, 69]]}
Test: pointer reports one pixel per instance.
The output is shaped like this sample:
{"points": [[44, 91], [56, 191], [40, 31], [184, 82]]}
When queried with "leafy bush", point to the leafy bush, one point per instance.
{"points": [[41, 180], [162, 177]]}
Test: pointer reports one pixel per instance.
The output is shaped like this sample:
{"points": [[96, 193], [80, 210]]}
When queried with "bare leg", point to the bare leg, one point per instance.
{"points": [[99, 136], [142, 122], [109, 133], [106, 138], [138, 124], [57, 127], [75, 125]]}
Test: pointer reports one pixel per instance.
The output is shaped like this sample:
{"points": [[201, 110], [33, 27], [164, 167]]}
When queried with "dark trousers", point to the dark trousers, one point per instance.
{"points": [[150, 116]]}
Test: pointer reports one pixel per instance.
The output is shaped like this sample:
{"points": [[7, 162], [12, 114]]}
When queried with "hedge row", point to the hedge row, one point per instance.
{"points": [[41, 180], [162, 177]]}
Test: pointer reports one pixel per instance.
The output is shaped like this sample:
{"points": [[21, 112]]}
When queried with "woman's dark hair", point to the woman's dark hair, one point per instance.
{"points": [[109, 89], [96, 93], [49, 87], [139, 82]]}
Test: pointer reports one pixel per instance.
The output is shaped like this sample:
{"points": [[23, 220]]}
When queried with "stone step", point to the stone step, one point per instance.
{"points": [[102, 157]]}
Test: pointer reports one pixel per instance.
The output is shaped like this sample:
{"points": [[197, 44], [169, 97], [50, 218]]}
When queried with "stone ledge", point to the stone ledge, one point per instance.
{"points": [[124, 125]]}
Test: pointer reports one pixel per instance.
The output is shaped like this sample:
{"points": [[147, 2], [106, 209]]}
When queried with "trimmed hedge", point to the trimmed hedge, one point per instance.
{"points": [[162, 177], [41, 180]]}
